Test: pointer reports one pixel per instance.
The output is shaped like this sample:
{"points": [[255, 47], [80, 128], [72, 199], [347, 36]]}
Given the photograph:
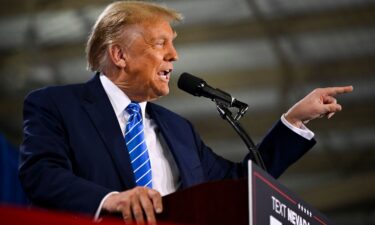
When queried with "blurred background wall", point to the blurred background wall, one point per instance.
{"points": [[267, 53]]}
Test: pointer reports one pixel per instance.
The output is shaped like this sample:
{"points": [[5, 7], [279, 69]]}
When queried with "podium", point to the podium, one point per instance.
{"points": [[222, 202], [258, 200]]}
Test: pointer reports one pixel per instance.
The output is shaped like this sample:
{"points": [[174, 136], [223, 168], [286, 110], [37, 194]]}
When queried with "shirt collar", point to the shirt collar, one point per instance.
{"points": [[119, 100]]}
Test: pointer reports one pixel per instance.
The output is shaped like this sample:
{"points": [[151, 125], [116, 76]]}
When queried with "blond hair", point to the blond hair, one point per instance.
{"points": [[112, 22]]}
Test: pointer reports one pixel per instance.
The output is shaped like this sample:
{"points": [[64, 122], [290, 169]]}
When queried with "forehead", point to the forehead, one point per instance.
{"points": [[157, 29]]}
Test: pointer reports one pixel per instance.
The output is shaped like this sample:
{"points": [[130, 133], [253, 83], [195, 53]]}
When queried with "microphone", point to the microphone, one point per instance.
{"points": [[198, 87]]}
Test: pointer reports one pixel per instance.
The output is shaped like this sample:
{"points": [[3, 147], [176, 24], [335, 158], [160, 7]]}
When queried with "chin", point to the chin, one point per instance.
{"points": [[158, 95], [160, 92], [165, 92]]}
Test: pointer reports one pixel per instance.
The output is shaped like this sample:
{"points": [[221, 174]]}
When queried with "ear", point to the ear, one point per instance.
{"points": [[117, 55]]}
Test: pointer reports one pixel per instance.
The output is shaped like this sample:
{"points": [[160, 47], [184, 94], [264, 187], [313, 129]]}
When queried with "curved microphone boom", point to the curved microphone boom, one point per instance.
{"points": [[198, 87]]}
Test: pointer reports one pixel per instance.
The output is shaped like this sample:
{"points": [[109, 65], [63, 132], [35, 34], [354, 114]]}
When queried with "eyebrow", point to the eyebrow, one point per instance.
{"points": [[165, 37]]}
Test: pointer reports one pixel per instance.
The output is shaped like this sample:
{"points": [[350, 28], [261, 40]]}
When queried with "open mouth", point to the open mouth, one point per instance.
{"points": [[165, 74]]}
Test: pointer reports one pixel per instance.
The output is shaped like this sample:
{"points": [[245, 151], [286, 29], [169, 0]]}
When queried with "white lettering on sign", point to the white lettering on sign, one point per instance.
{"points": [[278, 207], [296, 219], [287, 213]]}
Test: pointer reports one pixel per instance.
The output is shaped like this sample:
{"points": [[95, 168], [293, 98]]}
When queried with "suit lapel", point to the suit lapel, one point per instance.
{"points": [[187, 160], [96, 103]]}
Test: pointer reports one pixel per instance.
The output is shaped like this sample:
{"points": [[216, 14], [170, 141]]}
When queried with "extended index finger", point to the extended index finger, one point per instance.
{"points": [[332, 91]]}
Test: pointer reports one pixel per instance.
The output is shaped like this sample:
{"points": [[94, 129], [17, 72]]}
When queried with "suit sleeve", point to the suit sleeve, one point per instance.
{"points": [[46, 172], [280, 148]]}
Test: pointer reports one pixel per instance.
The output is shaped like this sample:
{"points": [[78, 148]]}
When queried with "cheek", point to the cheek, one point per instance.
{"points": [[152, 67], [156, 56], [145, 67]]}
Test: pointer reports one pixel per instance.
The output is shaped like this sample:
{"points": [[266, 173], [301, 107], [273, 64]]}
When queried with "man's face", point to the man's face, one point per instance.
{"points": [[149, 62]]}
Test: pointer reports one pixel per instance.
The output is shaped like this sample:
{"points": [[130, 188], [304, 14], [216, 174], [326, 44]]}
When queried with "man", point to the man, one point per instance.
{"points": [[79, 140]]}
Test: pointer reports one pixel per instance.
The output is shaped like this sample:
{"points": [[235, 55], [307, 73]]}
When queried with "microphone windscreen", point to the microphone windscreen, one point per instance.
{"points": [[189, 83]]}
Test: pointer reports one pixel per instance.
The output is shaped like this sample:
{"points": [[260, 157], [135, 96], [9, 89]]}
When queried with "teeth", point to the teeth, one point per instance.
{"points": [[165, 72]]}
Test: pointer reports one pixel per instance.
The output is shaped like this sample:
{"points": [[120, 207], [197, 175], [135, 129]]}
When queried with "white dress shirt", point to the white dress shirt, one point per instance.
{"points": [[303, 131], [165, 173]]}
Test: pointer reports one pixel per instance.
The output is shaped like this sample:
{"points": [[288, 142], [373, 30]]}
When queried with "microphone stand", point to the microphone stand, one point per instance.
{"points": [[226, 114]]}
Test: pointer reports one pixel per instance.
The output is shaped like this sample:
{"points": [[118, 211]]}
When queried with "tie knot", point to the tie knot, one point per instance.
{"points": [[133, 108]]}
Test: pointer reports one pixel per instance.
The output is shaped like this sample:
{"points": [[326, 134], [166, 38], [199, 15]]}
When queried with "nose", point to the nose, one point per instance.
{"points": [[172, 54]]}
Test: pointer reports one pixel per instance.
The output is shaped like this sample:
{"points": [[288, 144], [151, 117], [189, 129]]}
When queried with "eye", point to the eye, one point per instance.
{"points": [[160, 43]]}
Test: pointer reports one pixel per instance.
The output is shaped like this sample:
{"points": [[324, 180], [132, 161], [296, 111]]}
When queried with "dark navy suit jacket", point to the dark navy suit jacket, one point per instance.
{"points": [[73, 152]]}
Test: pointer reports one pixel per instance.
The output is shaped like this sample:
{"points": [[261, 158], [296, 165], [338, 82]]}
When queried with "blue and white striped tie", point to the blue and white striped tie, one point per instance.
{"points": [[137, 148]]}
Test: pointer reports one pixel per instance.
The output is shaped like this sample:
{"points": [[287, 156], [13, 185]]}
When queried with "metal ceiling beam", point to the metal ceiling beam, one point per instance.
{"points": [[334, 70], [19, 7], [363, 16], [335, 19]]}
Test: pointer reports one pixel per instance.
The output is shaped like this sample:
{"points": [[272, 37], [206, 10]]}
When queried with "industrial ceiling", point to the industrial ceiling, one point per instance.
{"points": [[267, 53]]}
